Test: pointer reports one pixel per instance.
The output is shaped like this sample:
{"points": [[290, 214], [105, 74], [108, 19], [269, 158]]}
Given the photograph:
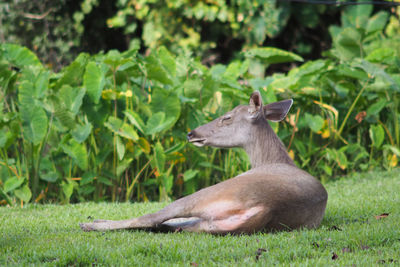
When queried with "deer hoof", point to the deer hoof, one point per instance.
{"points": [[87, 227]]}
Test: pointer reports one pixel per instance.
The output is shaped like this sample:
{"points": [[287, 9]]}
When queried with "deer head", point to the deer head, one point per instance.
{"points": [[237, 127]]}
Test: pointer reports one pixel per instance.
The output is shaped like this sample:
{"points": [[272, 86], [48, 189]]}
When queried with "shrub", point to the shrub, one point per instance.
{"points": [[113, 126]]}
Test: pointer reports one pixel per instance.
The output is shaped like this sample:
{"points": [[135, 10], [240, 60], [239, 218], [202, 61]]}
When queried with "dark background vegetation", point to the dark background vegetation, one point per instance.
{"points": [[99, 106], [57, 31]]}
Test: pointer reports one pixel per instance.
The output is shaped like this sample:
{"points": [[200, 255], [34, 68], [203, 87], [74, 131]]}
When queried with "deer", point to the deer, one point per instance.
{"points": [[273, 195]]}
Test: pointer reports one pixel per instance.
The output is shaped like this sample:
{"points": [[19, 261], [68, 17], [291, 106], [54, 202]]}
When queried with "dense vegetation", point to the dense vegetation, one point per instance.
{"points": [[216, 31], [361, 227], [112, 126]]}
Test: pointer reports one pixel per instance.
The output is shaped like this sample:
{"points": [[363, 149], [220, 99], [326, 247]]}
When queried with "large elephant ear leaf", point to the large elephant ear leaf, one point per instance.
{"points": [[34, 124], [167, 102], [94, 81], [77, 152], [19, 56]]}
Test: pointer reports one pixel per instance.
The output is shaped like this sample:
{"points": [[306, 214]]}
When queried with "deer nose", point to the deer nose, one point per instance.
{"points": [[189, 135]]}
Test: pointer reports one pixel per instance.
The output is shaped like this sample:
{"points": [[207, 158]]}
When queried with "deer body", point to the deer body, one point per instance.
{"points": [[273, 195]]}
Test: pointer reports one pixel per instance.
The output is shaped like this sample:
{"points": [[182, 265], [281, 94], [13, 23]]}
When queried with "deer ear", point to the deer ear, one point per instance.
{"points": [[277, 111], [255, 103]]}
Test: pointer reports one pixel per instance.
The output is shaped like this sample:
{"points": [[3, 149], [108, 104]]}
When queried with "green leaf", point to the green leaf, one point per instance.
{"points": [[327, 169], [20, 56], [314, 122], [348, 43], [168, 181], [192, 88], [271, 55], [13, 183], [175, 148], [167, 102], [375, 70], [34, 123], [189, 174], [144, 145], [93, 81], [26, 94], [41, 82], [342, 160], [377, 22], [120, 128], [342, 89], [73, 73], [77, 152], [395, 150], [135, 119], [156, 123], [81, 132], [236, 69], [5, 197], [351, 72], [120, 148], [309, 68], [68, 189], [105, 181], [381, 54], [123, 165], [377, 135], [51, 176], [71, 98], [87, 178], [167, 60], [375, 108], [157, 71], [4, 136], [159, 157], [259, 29], [356, 16], [23, 193], [64, 116]]}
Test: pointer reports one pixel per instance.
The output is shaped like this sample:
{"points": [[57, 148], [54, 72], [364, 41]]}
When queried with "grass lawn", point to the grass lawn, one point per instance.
{"points": [[350, 234]]}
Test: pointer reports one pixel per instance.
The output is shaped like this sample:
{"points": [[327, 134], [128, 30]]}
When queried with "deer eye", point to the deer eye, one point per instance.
{"points": [[226, 118]]}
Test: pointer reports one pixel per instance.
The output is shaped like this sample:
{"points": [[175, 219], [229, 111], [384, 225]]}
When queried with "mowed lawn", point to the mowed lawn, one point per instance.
{"points": [[361, 227]]}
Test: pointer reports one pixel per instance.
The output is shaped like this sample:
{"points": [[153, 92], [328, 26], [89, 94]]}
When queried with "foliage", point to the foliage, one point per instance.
{"points": [[217, 31], [113, 125], [355, 92], [44, 26], [49, 234], [179, 24]]}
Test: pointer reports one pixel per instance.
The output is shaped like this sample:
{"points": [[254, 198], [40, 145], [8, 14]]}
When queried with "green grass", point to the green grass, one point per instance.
{"points": [[50, 235]]}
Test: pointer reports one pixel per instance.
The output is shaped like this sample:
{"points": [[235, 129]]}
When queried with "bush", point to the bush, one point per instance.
{"points": [[113, 126]]}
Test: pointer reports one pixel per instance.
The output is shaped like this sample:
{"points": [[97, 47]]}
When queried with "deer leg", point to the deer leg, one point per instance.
{"points": [[217, 217], [222, 218], [177, 209], [146, 221]]}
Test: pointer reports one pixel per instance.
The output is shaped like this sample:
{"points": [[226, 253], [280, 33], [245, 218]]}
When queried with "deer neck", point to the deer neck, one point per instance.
{"points": [[264, 146]]}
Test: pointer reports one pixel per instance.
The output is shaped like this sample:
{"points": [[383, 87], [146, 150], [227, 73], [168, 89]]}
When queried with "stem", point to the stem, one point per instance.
{"points": [[5, 158], [114, 143], [130, 188], [310, 138], [208, 172], [396, 120], [35, 178], [351, 108], [40, 154], [294, 130], [371, 154], [387, 132]]}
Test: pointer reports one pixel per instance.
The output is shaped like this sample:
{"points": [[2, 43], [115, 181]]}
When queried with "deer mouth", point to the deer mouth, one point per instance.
{"points": [[198, 141]]}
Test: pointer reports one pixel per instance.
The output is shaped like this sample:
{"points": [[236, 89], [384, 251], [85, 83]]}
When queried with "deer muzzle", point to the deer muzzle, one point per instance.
{"points": [[196, 140]]}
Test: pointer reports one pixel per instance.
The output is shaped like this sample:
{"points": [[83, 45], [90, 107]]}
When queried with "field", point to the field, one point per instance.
{"points": [[361, 227]]}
